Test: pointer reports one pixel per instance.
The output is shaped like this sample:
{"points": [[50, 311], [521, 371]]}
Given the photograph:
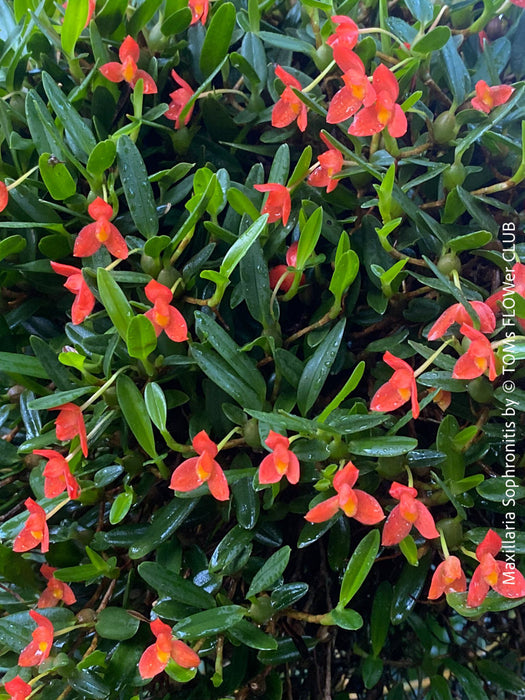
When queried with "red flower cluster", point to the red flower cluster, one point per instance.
{"points": [[70, 423], [199, 10], [458, 314], [4, 196], [179, 100], [129, 54], [399, 389], [330, 163], [289, 107], [353, 502], [489, 97], [195, 471], [478, 358], [156, 657], [409, 512], [163, 316], [75, 282], [57, 475], [102, 232], [279, 270], [38, 650], [503, 577], [448, 578], [281, 462], [35, 531], [279, 204], [55, 591], [18, 689]]}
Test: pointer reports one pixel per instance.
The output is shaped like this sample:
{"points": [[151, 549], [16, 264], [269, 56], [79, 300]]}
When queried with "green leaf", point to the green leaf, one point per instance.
{"points": [[246, 503], [120, 507], [434, 40], [156, 405], [75, 574], [74, 22], [242, 244], [288, 594], [56, 177], [439, 688], [232, 552], [470, 241], [380, 618], [241, 203], [359, 566], [78, 132], [217, 39], [308, 237], [176, 22], [388, 446], [407, 589], [44, 131], [137, 188], [270, 572], [346, 619], [350, 384], [101, 157], [12, 245], [453, 468], [115, 301], [456, 74], [140, 337], [133, 408], [15, 629], [51, 364], [164, 523], [116, 623], [209, 622], [256, 284], [15, 363], [471, 684], [210, 331], [501, 676], [170, 585], [409, 550], [317, 368], [142, 15], [301, 169], [289, 43], [494, 602], [251, 636], [59, 398]]}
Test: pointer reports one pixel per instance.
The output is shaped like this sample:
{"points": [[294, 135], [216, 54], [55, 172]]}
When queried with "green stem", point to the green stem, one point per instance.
{"points": [[443, 543], [320, 77], [102, 389], [431, 359]]}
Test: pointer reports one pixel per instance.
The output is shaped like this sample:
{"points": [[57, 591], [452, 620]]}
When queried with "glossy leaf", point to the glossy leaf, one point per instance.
{"points": [[137, 188], [116, 623], [140, 337], [209, 622], [270, 572], [133, 408], [359, 567], [115, 301], [218, 37]]}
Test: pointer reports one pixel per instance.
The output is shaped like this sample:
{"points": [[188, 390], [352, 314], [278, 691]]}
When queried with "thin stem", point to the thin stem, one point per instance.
{"points": [[22, 178], [378, 30], [223, 91], [443, 543], [431, 359], [102, 389], [320, 77], [410, 477], [225, 439], [57, 508]]}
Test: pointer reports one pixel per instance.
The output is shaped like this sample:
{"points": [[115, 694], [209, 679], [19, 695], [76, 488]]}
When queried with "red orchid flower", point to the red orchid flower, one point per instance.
{"points": [[56, 590], [69, 423], [279, 270], [84, 301], [502, 576], [330, 163], [163, 316], [478, 358], [289, 107], [353, 502], [281, 462], [38, 650], [457, 313], [129, 54], [448, 578], [102, 232], [518, 275], [4, 196], [489, 97], [279, 204], [399, 389], [156, 657], [442, 398], [356, 93], [179, 100], [35, 531], [344, 39], [91, 9], [57, 475], [519, 3], [18, 689], [409, 512], [199, 10], [384, 112], [202, 469]]}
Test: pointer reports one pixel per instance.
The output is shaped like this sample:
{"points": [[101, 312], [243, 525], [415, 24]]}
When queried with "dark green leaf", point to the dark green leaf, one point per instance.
{"points": [[270, 572], [116, 623], [218, 37], [115, 301], [359, 566], [170, 585], [137, 188], [133, 407], [209, 622]]}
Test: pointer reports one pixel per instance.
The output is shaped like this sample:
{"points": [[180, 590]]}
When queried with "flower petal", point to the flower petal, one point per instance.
{"points": [[396, 528]]}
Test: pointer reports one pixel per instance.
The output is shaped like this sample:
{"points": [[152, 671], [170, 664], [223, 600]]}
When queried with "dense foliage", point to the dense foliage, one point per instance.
{"points": [[262, 278]]}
